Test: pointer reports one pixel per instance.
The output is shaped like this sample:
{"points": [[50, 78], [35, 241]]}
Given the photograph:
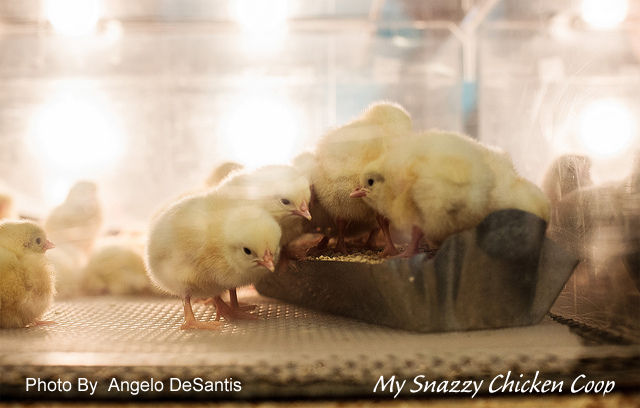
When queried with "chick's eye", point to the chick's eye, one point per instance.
{"points": [[38, 241], [284, 201], [246, 250], [370, 182]]}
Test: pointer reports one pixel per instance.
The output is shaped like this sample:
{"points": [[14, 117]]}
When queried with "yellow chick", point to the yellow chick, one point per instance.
{"points": [[115, 270], [203, 245], [437, 183], [78, 219], [26, 280], [221, 172], [341, 156]]}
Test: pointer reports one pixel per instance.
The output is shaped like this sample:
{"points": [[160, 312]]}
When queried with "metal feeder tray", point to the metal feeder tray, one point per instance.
{"points": [[502, 273]]}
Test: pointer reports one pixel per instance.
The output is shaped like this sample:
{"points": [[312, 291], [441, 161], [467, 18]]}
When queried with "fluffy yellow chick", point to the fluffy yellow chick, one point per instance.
{"points": [[221, 172], [26, 280], [78, 219], [115, 270], [438, 183], [206, 244], [343, 153]]}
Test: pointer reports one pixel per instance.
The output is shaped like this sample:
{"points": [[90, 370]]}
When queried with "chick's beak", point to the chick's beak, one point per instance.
{"points": [[303, 211], [358, 193], [267, 261], [48, 245]]}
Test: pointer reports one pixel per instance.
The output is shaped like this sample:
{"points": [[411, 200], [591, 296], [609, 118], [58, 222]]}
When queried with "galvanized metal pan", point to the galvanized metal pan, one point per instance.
{"points": [[502, 273]]}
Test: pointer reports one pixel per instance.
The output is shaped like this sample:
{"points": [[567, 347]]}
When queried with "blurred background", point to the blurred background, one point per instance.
{"points": [[146, 97]]}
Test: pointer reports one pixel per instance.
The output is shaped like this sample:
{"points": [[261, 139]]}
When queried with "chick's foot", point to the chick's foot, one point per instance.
{"points": [[389, 250], [190, 321], [229, 313], [389, 247], [320, 248], [414, 245]]}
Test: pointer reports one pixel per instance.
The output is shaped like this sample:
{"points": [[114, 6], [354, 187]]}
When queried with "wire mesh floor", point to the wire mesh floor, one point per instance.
{"points": [[288, 352]]}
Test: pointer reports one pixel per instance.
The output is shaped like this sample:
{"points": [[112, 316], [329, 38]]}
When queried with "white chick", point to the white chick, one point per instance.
{"points": [[341, 156], [78, 219], [281, 190], [115, 270], [221, 172], [438, 183], [26, 280], [6, 206], [206, 244]]}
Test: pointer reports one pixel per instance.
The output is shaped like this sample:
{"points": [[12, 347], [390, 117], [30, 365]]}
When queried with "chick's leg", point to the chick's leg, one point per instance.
{"points": [[233, 300], [229, 313], [372, 239], [190, 321], [389, 247], [340, 245], [414, 245]]}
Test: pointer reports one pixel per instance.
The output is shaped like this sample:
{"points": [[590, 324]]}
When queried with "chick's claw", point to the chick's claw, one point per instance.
{"points": [[389, 251]]}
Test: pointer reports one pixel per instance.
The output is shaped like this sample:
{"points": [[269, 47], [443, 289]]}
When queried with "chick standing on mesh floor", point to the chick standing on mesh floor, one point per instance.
{"points": [[206, 244], [281, 190]]}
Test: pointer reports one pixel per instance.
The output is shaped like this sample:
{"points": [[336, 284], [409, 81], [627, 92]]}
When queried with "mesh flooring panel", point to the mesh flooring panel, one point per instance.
{"points": [[290, 351]]}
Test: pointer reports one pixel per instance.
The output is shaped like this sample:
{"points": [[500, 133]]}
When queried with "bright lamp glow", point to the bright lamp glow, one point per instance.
{"points": [[606, 127], [75, 134], [259, 130], [263, 22], [604, 13], [260, 16], [73, 17]]}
